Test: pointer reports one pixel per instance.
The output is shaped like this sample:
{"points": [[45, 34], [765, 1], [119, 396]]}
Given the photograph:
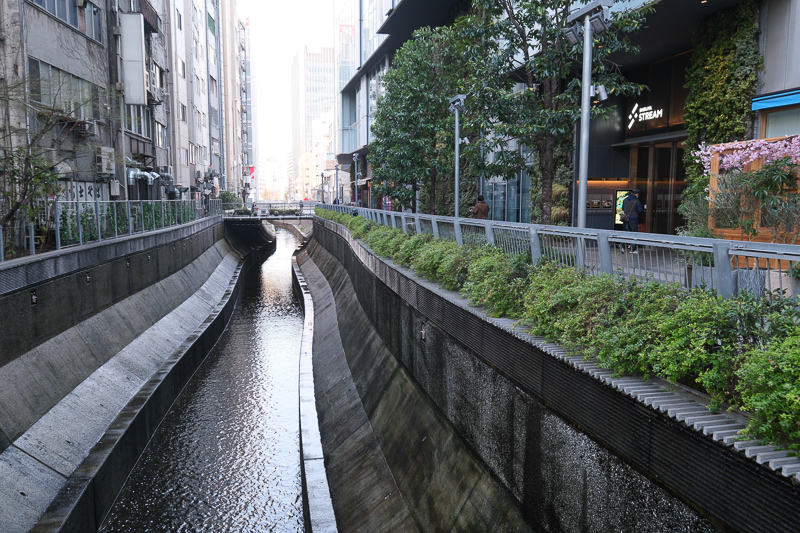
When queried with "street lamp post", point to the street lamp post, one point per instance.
{"points": [[336, 191], [322, 187], [594, 18], [457, 107], [355, 178]]}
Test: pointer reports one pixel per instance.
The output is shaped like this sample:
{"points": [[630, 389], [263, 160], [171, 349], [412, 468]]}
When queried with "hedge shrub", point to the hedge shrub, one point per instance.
{"points": [[744, 351]]}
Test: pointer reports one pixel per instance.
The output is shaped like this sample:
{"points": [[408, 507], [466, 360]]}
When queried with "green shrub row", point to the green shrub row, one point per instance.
{"points": [[744, 352]]}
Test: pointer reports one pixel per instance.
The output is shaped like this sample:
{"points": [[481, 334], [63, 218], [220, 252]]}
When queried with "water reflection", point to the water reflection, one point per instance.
{"points": [[226, 457]]}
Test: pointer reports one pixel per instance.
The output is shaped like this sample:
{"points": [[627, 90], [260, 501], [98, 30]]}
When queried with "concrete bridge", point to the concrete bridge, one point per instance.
{"points": [[431, 415]]}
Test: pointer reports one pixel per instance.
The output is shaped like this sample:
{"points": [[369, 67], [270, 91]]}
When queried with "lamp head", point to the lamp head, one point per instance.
{"points": [[457, 103]]}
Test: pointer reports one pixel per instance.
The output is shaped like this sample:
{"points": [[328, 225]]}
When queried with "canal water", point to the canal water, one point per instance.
{"points": [[226, 457]]}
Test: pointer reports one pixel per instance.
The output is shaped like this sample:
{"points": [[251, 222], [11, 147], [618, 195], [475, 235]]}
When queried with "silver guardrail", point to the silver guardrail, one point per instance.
{"points": [[724, 266], [56, 224]]}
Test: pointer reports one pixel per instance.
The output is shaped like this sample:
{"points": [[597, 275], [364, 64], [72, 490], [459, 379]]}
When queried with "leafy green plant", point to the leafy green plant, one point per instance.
{"points": [[721, 80], [728, 348], [769, 384]]}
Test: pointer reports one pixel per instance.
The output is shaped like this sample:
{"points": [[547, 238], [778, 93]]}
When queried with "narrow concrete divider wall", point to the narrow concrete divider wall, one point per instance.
{"points": [[317, 506], [529, 413], [394, 463]]}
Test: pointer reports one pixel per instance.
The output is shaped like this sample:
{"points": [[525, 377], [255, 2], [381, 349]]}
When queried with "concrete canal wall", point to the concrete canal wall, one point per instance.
{"points": [[574, 452], [92, 364]]}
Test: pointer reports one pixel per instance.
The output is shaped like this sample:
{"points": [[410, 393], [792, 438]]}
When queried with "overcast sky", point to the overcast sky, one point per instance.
{"points": [[278, 31]]}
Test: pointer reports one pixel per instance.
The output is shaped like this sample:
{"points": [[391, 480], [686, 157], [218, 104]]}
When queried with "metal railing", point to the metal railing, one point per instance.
{"points": [[56, 224], [270, 209], [724, 266]]}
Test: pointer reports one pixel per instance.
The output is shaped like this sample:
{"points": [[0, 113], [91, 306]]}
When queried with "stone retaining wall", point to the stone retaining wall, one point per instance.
{"points": [[547, 428]]}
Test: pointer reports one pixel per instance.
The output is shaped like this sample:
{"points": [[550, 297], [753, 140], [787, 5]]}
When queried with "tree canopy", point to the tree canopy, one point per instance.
{"points": [[514, 63]]}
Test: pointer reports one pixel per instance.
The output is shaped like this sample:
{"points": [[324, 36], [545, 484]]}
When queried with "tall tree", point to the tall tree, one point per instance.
{"points": [[525, 40], [414, 147]]}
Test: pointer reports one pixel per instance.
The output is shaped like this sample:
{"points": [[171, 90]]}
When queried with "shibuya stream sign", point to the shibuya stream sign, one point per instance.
{"points": [[643, 115]]}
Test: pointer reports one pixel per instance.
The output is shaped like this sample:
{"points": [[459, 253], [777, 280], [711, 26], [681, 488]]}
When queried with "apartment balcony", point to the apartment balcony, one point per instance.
{"points": [[152, 22]]}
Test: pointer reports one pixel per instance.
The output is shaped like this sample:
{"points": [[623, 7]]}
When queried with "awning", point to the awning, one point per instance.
{"points": [[780, 99], [667, 136]]}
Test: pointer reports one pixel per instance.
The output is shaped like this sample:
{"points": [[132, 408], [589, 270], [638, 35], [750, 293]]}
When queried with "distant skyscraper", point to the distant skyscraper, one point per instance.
{"points": [[312, 95]]}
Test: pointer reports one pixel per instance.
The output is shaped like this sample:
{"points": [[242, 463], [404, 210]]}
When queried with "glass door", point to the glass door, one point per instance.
{"points": [[657, 171]]}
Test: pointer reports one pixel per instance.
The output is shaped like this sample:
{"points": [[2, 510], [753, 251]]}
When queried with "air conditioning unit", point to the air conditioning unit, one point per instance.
{"points": [[113, 187], [86, 128], [105, 160]]}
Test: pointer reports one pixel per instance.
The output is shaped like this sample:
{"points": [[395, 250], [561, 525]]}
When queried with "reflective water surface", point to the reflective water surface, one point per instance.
{"points": [[226, 457]]}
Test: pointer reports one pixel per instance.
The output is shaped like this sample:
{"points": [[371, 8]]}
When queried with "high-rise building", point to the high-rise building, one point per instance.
{"points": [[312, 80]]}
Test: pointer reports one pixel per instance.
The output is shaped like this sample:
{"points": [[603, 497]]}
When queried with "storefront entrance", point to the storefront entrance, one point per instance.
{"points": [[657, 171]]}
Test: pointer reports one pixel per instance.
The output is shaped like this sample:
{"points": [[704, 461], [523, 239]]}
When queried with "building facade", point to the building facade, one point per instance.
{"points": [[642, 145], [312, 80], [363, 55], [125, 98]]}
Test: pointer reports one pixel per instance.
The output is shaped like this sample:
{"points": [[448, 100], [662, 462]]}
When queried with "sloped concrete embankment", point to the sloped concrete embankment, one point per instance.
{"points": [[393, 462], [576, 452], [77, 409]]}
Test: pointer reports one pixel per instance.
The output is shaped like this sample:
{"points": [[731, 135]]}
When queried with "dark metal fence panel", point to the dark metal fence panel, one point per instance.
{"points": [[54, 224]]}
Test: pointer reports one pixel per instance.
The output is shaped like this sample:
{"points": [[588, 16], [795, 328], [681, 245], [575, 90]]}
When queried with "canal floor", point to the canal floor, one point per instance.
{"points": [[226, 457]]}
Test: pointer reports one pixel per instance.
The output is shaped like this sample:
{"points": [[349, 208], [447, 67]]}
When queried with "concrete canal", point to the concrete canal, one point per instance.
{"points": [[226, 456]]}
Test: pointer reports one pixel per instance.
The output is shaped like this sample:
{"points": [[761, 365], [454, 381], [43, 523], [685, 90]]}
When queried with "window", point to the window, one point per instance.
{"points": [[68, 11], [782, 122], [184, 157], [93, 22], [161, 135], [62, 91], [179, 20], [192, 154], [34, 81], [181, 68], [182, 112], [138, 120], [212, 86], [211, 25]]}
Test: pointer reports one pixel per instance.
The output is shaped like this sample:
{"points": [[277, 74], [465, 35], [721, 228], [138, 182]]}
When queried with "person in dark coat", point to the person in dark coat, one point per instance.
{"points": [[631, 206], [480, 209]]}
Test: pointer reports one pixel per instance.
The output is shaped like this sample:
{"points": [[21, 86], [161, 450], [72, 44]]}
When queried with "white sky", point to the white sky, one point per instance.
{"points": [[278, 31]]}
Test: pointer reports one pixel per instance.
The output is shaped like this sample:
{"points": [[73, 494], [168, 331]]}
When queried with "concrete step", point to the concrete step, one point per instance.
{"points": [[737, 438], [780, 462], [649, 399], [742, 444], [676, 401], [765, 457], [693, 408], [642, 387], [752, 451], [700, 423], [718, 432], [694, 413], [790, 469]]}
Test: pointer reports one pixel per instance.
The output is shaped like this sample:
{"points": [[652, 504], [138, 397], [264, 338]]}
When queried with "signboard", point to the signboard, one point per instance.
{"points": [[252, 173], [133, 58], [644, 114]]}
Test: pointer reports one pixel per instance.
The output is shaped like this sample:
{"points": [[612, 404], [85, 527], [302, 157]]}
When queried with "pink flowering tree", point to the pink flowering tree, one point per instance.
{"points": [[754, 189]]}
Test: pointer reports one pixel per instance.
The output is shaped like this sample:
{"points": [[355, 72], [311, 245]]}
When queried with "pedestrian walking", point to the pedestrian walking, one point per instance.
{"points": [[631, 207], [480, 210]]}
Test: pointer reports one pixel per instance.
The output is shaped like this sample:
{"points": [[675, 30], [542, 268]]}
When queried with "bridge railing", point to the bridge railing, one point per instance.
{"points": [[721, 265], [57, 224]]}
